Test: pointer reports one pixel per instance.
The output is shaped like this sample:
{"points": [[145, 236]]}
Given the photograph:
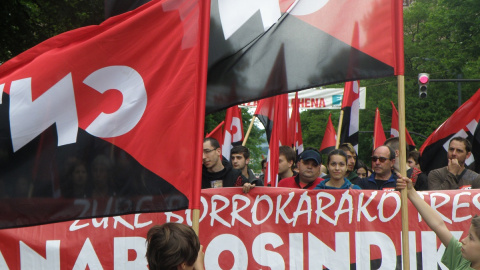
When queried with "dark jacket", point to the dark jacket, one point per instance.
{"points": [[371, 183], [230, 177], [254, 180]]}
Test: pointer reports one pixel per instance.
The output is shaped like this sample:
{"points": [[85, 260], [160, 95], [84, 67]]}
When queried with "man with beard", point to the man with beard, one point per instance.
{"points": [[383, 177], [217, 171], [455, 175], [240, 158]]}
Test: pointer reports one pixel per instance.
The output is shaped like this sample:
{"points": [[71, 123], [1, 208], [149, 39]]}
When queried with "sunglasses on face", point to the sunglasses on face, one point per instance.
{"points": [[382, 159]]}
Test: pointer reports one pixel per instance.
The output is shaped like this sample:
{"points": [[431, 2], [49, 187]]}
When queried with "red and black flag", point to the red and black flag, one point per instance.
{"points": [[378, 133], [394, 128], [329, 138], [320, 39], [351, 112], [92, 117], [464, 123], [233, 132]]}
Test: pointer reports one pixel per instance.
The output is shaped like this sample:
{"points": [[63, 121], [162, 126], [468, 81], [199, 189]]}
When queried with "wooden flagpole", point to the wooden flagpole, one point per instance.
{"points": [[339, 130], [248, 131], [403, 170]]}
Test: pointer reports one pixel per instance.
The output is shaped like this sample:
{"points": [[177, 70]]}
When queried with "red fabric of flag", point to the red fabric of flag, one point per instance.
{"points": [[378, 132], [329, 138], [295, 127], [279, 125]]}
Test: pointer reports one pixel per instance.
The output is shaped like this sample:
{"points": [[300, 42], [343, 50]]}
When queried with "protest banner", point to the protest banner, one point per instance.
{"points": [[268, 228]]}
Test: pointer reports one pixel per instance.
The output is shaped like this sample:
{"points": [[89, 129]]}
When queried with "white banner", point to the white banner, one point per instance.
{"points": [[317, 98]]}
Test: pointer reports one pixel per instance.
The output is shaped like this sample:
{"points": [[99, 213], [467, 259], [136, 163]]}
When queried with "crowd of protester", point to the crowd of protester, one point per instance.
{"points": [[342, 169]]}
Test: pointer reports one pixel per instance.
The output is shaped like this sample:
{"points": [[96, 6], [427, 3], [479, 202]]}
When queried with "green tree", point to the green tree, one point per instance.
{"points": [[25, 23]]}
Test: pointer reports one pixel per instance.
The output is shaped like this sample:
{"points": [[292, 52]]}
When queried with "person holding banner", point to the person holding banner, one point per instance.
{"points": [[337, 168], [174, 246], [458, 255]]}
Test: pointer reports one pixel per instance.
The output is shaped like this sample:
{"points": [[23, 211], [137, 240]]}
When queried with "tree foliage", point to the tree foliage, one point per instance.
{"points": [[25, 23]]}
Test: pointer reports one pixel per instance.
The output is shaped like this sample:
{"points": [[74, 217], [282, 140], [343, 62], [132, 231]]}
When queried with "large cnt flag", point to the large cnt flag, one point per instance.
{"points": [[464, 123], [233, 133], [351, 112], [394, 128], [329, 138], [320, 38], [92, 117], [378, 132]]}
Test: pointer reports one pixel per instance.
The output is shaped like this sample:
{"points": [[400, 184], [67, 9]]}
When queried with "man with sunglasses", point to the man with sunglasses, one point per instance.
{"points": [[217, 171], [382, 178]]}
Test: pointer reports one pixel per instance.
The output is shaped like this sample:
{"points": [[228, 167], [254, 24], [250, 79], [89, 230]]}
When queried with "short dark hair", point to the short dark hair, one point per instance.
{"points": [[362, 164], [337, 152], [240, 149], [288, 152], [170, 245], [467, 143], [347, 147], [415, 155], [212, 141]]}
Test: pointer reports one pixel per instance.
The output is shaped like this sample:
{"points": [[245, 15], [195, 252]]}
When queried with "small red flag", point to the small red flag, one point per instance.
{"points": [[295, 127], [329, 138], [217, 132], [378, 133]]}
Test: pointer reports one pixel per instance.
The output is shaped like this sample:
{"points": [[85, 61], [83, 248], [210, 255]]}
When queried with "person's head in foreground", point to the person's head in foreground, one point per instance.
{"points": [[173, 246], [471, 243]]}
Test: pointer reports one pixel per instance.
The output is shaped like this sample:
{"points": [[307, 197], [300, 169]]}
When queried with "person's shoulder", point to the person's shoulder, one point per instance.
{"points": [[286, 181]]}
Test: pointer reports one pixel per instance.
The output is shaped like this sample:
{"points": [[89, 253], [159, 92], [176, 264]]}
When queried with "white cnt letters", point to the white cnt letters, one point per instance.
{"points": [[57, 105], [130, 83], [29, 118]]}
